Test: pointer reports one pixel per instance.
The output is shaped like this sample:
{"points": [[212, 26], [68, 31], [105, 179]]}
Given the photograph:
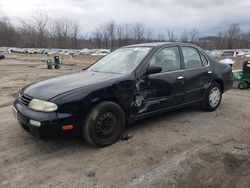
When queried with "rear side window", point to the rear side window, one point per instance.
{"points": [[191, 58], [204, 60]]}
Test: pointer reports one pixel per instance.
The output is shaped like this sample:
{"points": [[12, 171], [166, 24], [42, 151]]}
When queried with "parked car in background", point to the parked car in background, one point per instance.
{"points": [[131, 83], [84, 51], [241, 54], [247, 54], [2, 56], [215, 53], [229, 53], [100, 53]]}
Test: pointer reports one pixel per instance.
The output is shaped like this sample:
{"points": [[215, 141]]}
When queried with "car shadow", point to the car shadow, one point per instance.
{"points": [[163, 117]]}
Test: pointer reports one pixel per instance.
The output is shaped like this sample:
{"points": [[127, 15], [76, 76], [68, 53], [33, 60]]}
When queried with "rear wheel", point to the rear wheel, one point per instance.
{"points": [[57, 66], [248, 84], [213, 97], [242, 85], [104, 124]]}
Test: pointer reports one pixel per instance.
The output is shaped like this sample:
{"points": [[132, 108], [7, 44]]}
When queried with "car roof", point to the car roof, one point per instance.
{"points": [[159, 44]]}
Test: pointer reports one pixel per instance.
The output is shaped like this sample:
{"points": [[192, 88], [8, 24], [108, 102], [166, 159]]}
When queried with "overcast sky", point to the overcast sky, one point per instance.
{"points": [[208, 16]]}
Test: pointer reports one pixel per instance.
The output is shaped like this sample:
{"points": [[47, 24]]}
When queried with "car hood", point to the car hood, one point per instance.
{"points": [[53, 87]]}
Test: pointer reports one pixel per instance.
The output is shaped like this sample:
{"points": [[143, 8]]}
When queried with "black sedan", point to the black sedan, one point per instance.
{"points": [[131, 83]]}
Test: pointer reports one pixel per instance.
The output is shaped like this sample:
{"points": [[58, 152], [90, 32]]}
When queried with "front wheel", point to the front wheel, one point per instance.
{"points": [[213, 97], [49, 67], [104, 124]]}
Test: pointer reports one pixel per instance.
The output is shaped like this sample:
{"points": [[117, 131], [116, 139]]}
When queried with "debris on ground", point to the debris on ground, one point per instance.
{"points": [[126, 136]]}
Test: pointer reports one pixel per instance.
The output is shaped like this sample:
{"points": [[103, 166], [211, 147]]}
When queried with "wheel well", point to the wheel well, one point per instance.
{"points": [[117, 102], [220, 82], [114, 100]]}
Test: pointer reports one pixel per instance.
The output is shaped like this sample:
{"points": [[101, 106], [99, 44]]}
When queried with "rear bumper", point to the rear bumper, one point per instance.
{"points": [[228, 85], [228, 81], [51, 123]]}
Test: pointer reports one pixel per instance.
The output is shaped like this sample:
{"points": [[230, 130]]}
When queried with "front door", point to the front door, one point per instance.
{"points": [[162, 90]]}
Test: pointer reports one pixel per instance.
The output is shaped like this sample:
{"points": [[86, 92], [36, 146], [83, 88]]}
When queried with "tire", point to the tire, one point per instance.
{"points": [[248, 84], [213, 97], [104, 124], [242, 85], [49, 67], [57, 66]]}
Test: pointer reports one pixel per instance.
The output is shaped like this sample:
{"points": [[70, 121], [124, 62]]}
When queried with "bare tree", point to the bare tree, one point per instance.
{"points": [[161, 37], [128, 34], [41, 20], [193, 35], [138, 32], [232, 35], [221, 42], [97, 38], [8, 33], [184, 36], [28, 33], [171, 35], [244, 40], [62, 32], [149, 35], [105, 35], [120, 34], [75, 33], [56, 32], [111, 30], [66, 32]]}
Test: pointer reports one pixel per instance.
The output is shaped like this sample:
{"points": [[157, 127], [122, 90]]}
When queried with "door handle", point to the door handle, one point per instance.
{"points": [[210, 72], [180, 78]]}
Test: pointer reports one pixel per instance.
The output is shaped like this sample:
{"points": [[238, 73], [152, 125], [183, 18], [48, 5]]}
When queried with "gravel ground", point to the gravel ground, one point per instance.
{"points": [[185, 148]]}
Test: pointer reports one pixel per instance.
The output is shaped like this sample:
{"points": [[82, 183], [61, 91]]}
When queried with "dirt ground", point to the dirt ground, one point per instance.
{"points": [[185, 148]]}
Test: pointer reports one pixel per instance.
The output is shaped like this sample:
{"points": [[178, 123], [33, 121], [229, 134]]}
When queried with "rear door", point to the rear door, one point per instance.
{"points": [[197, 72], [163, 90]]}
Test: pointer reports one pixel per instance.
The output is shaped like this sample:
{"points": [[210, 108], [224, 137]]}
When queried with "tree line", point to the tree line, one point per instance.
{"points": [[42, 32]]}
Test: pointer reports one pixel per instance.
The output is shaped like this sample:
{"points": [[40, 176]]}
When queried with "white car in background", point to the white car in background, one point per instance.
{"points": [[229, 53], [100, 54], [215, 53], [241, 54], [247, 54], [84, 51]]}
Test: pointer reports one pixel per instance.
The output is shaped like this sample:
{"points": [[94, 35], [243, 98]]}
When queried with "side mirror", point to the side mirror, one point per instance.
{"points": [[153, 70]]}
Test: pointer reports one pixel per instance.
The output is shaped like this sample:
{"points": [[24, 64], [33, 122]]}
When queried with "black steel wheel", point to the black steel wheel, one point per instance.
{"points": [[104, 124]]}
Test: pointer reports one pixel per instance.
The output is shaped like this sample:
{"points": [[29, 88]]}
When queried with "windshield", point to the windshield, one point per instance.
{"points": [[121, 61]]}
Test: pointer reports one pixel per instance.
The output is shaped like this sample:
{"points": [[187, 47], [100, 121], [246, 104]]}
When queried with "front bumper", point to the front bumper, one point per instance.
{"points": [[51, 123]]}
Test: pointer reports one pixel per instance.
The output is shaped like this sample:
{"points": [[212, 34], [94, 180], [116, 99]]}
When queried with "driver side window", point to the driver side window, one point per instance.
{"points": [[168, 59]]}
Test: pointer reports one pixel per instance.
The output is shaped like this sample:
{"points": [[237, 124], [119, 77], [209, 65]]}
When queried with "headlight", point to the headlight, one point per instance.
{"points": [[42, 106]]}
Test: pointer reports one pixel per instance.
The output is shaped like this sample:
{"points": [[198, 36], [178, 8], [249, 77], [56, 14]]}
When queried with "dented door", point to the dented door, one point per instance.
{"points": [[160, 91], [163, 90]]}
